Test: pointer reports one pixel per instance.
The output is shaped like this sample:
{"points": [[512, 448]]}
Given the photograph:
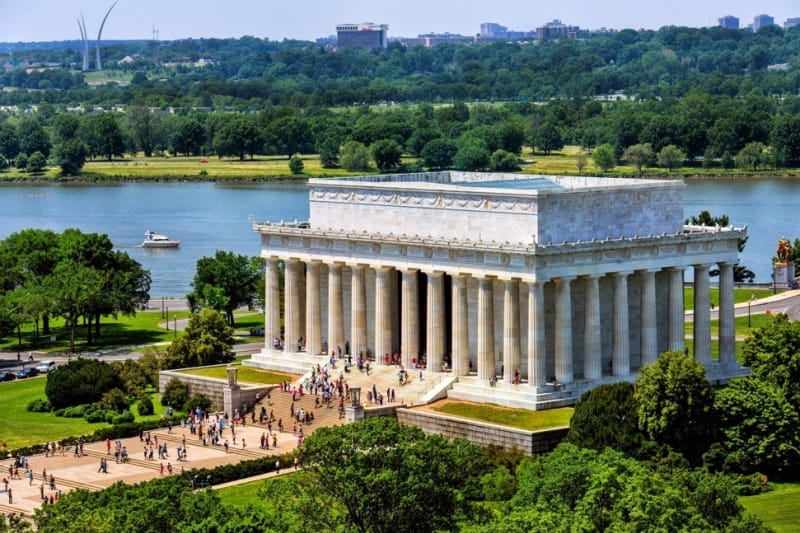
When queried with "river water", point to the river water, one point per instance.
{"points": [[207, 217]]}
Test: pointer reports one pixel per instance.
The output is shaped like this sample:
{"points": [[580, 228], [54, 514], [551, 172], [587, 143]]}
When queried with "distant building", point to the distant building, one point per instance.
{"points": [[760, 21], [365, 35], [792, 22], [430, 40], [493, 30], [557, 30], [730, 22]]}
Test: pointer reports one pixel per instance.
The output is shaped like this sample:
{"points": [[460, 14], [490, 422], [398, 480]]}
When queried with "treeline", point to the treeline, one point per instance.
{"points": [[751, 132], [251, 72]]}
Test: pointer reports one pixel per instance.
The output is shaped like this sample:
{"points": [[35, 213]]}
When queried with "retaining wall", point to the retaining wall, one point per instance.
{"points": [[213, 388]]}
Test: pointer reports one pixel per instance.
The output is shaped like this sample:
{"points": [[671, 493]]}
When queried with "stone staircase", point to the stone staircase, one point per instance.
{"points": [[72, 483], [191, 440], [280, 403], [152, 465]]}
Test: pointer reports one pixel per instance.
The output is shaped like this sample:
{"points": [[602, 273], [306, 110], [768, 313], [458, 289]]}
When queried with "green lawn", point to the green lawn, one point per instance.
{"points": [[739, 296], [246, 374], [21, 428], [242, 494], [518, 418], [779, 508]]}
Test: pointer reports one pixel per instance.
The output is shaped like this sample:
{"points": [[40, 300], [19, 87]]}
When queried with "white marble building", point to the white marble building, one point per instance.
{"points": [[552, 284]]}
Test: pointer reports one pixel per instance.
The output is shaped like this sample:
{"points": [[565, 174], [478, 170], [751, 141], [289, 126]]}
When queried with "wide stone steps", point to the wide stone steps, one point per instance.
{"points": [[152, 465], [280, 404], [64, 482], [254, 453], [8, 510]]}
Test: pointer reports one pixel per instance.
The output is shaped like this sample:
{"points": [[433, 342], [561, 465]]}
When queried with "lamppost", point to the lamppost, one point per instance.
{"points": [[174, 326], [749, 302], [166, 315]]}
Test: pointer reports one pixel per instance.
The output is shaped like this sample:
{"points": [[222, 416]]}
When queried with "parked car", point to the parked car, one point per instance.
{"points": [[46, 366], [27, 372], [7, 376], [257, 332]]}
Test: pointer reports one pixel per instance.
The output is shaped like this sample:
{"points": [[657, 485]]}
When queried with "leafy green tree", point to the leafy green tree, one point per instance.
{"points": [[80, 381], [235, 278], [639, 155], [238, 136], [354, 156], [9, 141], [387, 154], [581, 161], [472, 155], [603, 156], [671, 157], [786, 140], [773, 355], [147, 128], [21, 161], [676, 404], [176, 393], [65, 127], [760, 428], [384, 476], [76, 290], [108, 136], [71, 156], [189, 137], [33, 138], [438, 153], [296, 164], [207, 340], [289, 135], [752, 156], [37, 162], [502, 161], [145, 406], [548, 138], [420, 138], [328, 151]]}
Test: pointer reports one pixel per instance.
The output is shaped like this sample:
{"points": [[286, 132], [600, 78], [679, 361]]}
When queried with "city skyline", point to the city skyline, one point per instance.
{"points": [[49, 20]]}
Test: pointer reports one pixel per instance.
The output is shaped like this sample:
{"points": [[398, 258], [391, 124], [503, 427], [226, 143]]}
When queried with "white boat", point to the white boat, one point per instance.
{"points": [[156, 240]]}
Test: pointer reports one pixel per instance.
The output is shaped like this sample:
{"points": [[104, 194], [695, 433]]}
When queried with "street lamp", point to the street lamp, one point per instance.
{"points": [[166, 315], [175, 326], [749, 302]]}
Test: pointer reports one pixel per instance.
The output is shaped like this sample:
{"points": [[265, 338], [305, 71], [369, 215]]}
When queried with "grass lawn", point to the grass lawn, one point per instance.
{"points": [[246, 374], [779, 509], [243, 494], [739, 296], [505, 416], [21, 428]]}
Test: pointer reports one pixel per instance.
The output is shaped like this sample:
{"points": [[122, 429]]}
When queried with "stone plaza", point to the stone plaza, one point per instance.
{"points": [[520, 290]]}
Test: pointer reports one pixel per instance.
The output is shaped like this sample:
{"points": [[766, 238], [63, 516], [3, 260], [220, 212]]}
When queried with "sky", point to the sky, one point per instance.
{"points": [[55, 20]]}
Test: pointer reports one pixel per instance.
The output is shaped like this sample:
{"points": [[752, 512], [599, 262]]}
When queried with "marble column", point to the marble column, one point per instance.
{"points": [[313, 310], [383, 314], [410, 318], [486, 370], [511, 340], [727, 332], [592, 343], [272, 303], [649, 334], [537, 363], [620, 342], [460, 318], [435, 328], [564, 372], [336, 336], [293, 297], [358, 308], [702, 316], [677, 329]]}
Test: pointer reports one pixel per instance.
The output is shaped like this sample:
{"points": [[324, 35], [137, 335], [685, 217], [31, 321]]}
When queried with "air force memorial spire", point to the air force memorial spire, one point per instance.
{"points": [[528, 290]]}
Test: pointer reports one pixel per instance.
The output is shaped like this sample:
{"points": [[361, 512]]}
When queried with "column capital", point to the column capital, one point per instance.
{"points": [[564, 279], [434, 273], [702, 266], [680, 269], [620, 273], [647, 270]]}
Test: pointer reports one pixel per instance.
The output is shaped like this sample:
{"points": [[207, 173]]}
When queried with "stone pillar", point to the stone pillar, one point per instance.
{"points": [[592, 343], [537, 366], [511, 340], [702, 316], [727, 332], [677, 330], [460, 328], [383, 314], [358, 307], [410, 318], [486, 369], [272, 303], [335, 308], [293, 296], [435, 315], [564, 330], [649, 334], [313, 311], [620, 344]]}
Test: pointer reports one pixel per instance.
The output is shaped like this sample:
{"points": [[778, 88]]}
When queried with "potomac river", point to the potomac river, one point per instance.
{"points": [[207, 217]]}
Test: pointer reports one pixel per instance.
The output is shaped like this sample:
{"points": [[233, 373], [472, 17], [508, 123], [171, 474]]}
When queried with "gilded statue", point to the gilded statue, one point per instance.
{"points": [[784, 251]]}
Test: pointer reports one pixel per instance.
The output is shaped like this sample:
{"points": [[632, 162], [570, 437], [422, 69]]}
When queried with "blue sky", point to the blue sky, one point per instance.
{"points": [[47, 20]]}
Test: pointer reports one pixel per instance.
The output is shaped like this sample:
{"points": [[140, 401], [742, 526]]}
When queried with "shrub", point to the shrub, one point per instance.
{"points": [[38, 406], [80, 381], [125, 418], [37, 162], [77, 411], [96, 416], [296, 164], [198, 400], [145, 406], [21, 161], [175, 393], [115, 400]]}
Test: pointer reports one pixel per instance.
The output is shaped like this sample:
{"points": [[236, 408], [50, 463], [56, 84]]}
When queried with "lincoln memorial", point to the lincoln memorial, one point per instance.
{"points": [[523, 290]]}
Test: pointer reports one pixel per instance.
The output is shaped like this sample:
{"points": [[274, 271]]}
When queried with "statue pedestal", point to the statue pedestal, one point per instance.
{"points": [[784, 275]]}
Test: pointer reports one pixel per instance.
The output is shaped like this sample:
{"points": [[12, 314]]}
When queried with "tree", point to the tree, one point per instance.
{"points": [[385, 476], [354, 156], [438, 153], [176, 392], [472, 155], [189, 137], [603, 156], [607, 417], [786, 140], [581, 161], [773, 355], [9, 141], [207, 340], [76, 291], [32, 137], [146, 126], [296, 164], [79, 382], [328, 151], [238, 136], [37, 162], [108, 136], [671, 157], [548, 138], [502, 161], [71, 156], [676, 404], [752, 156], [639, 155], [387, 154], [234, 277]]}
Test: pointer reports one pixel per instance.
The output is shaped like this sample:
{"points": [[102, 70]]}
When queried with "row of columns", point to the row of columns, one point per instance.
{"points": [[305, 320]]}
